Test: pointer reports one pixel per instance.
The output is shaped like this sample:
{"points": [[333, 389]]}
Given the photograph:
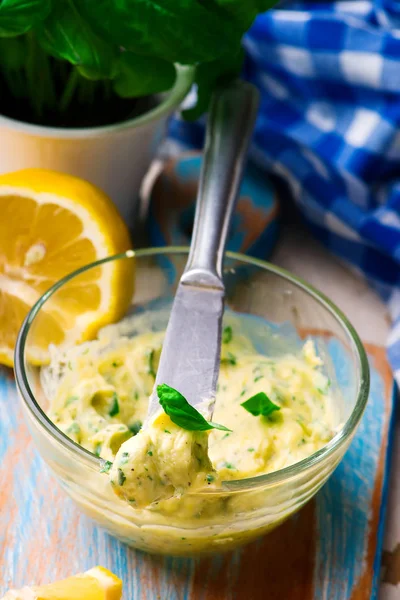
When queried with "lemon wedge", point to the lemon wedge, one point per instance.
{"points": [[96, 584], [51, 224]]}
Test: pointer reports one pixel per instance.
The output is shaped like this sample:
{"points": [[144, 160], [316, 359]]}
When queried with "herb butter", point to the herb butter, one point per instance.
{"points": [[275, 412]]}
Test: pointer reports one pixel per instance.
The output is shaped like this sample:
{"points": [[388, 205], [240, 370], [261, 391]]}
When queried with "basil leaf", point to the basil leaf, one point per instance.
{"points": [[142, 75], [211, 74], [246, 11], [184, 31], [19, 16], [181, 412], [260, 404], [66, 34]]}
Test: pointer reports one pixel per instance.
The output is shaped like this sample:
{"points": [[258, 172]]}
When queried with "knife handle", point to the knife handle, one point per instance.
{"points": [[231, 119]]}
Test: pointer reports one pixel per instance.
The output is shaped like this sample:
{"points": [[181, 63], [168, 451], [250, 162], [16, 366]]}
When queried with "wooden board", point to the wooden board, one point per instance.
{"points": [[329, 551]]}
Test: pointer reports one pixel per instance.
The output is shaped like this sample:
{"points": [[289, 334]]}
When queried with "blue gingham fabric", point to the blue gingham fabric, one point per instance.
{"points": [[329, 126]]}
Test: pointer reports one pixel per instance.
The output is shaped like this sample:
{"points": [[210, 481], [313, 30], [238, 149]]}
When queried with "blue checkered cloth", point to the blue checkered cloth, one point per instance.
{"points": [[329, 125]]}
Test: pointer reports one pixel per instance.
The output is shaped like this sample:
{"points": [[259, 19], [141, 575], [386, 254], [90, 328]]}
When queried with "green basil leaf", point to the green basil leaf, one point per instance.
{"points": [[260, 404], [66, 34], [181, 412], [184, 31], [142, 75], [246, 11], [19, 16], [211, 74]]}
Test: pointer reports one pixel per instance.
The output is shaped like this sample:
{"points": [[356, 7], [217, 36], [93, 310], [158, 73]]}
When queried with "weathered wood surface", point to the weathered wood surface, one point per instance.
{"points": [[330, 551]]}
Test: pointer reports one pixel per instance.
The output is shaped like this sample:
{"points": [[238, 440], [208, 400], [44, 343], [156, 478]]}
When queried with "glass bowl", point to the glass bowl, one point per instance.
{"points": [[290, 310]]}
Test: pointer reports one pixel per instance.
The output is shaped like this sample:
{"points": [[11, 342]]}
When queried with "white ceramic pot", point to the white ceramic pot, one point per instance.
{"points": [[115, 157]]}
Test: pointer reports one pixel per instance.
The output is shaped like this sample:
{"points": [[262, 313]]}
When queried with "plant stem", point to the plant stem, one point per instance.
{"points": [[40, 85], [69, 90]]}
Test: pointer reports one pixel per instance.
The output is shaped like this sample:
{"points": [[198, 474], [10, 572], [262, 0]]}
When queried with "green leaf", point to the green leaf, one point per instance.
{"points": [[142, 75], [211, 74], [66, 34], [260, 404], [227, 335], [184, 31], [245, 11], [19, 16], [181, 412]]}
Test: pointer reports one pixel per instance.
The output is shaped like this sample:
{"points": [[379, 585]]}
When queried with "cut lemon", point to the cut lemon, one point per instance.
{"points": [[52, 224], [96, 584]]}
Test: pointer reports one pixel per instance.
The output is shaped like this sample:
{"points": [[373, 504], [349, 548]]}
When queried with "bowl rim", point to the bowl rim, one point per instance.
{"points": [[285, 474]]}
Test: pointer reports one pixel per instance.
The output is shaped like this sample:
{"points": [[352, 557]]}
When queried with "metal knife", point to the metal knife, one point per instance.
{"points": [[190, 356]]}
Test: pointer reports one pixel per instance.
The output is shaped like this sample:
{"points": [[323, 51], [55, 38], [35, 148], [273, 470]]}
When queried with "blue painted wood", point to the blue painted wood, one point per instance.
{"points": [[327, 552], [254, 228]]}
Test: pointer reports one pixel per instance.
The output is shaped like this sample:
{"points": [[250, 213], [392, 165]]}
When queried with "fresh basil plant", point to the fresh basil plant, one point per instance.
{"points": [[57, 56]]}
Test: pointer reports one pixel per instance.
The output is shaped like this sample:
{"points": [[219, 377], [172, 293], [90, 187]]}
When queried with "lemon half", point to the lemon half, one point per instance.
{"points": [[50, 225]]}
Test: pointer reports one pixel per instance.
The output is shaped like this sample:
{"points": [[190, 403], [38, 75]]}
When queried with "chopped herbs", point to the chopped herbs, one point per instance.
{"points": [[167, 431], [260, 404], [71, 400], [136, 395], [149, 452], [97, 449], [226, 435], [250, 449], [322, 392], [181, 412], [230, 359], [70, 365], [73, 428], [228, 465], [150, 366], [115, 365], [210, 478], [114, 408], [124, 458], [121, 477], [258, 378], [135, 427], [106, 466], [227, 335]]}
